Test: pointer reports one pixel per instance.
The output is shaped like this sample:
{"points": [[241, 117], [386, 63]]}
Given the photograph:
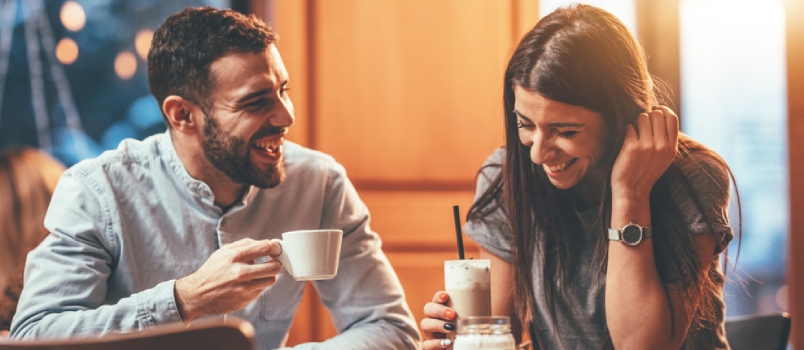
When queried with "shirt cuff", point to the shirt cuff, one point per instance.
{"points": [[157, 305]]}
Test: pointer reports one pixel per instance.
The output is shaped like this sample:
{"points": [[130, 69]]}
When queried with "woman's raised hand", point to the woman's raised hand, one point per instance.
{"points": [[438, 322], [647, 152]]}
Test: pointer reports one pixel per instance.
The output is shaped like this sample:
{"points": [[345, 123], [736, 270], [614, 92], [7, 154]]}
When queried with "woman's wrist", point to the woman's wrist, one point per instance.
{"points": [[630, 209]]}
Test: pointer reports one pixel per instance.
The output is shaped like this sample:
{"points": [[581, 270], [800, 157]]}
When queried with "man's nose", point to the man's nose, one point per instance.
{"points": [[282, 115]]}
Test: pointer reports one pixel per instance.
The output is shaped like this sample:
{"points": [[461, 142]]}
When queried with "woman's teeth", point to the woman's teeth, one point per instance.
{"points": [[561, 167]]}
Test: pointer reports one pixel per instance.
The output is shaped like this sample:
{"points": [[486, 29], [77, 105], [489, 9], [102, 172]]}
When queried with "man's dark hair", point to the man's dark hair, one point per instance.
{"points": [[185, 46]]}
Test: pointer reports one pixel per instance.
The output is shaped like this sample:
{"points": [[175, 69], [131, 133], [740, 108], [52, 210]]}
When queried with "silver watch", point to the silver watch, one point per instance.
{"points": [[631, 234]]}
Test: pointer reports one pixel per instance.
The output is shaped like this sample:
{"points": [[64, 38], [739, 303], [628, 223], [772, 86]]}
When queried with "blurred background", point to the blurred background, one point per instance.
{"points": [[406, 94]]}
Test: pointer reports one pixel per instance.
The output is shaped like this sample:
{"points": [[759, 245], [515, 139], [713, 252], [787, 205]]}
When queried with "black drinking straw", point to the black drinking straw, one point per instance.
{"points": [[457, 214]]}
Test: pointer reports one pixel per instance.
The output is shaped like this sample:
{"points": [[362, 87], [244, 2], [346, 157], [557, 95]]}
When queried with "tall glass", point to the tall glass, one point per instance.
{"points": [[468, 283], [484, 332]]}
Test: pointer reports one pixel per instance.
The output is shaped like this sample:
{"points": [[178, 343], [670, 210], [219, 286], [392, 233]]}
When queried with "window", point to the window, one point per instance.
{"points": [[734, 101], [73, 73]]}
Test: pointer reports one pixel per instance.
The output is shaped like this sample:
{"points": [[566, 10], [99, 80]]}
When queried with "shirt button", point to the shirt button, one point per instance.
{"points": [[205, 193]]}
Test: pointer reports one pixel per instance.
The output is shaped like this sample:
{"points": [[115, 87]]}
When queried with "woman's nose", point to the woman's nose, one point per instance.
{"points": [[541, 148]]}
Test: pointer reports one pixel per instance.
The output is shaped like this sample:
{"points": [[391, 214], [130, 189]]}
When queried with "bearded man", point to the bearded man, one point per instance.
{"points": [[168, 229]]}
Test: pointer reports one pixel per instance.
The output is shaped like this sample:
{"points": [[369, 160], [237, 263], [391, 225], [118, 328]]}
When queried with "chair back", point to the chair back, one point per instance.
{"points": [[206, 334], [758, 332]]}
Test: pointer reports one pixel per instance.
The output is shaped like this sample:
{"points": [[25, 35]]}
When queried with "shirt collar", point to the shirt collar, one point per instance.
{"points": [[198, 187], [176, 167]]}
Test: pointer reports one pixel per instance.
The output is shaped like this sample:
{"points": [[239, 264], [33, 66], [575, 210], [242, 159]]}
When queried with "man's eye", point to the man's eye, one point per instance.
{"points": [[256, 103]]}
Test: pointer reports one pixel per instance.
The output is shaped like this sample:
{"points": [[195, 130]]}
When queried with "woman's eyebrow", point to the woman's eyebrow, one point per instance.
{"points": [[519, 114], [566, 125], [554, 125]]}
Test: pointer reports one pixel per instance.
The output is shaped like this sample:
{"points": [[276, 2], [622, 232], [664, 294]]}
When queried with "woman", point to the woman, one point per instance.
{"points": [[27, 180], [603, 223]]}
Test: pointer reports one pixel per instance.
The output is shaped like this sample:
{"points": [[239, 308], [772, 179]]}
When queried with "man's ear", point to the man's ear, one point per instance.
{"points": [[182, 114]]}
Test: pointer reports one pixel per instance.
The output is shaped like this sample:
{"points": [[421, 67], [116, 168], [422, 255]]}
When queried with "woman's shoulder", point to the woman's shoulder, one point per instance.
{"points": [[700, 163], [702, 169], [496, 158], [491, 167]]}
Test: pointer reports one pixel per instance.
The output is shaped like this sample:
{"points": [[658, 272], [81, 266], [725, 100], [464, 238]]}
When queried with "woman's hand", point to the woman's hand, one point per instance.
{"points": [[647, 152], [438, 322]]}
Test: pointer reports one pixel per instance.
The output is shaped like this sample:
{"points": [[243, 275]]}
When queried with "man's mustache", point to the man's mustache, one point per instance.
{"points": [[269, 131]]}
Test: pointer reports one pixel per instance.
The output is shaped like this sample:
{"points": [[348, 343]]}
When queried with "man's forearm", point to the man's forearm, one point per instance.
{"points": [[46, 316]]}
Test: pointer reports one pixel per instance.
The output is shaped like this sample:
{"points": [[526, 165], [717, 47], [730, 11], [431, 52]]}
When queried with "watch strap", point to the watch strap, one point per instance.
{"points": [[614, 234]]}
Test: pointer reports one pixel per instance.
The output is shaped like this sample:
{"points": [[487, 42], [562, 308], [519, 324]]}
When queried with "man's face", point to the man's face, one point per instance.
{"points": [[251, 112]]}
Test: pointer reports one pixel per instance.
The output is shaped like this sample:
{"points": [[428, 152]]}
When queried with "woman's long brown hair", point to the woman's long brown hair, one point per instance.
{"points": [[584, 56], [27, 180]]}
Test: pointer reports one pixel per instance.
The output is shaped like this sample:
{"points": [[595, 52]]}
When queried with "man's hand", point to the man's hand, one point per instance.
{"points": [[229, 280]]}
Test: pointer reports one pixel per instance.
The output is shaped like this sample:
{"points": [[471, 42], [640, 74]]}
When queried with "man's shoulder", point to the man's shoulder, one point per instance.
{"points": [[128, 152], [300, 157]]}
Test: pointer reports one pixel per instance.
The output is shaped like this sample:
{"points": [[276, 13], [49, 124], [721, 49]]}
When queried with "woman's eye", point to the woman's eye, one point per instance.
{"points": [[521, 125], [567, 134]]}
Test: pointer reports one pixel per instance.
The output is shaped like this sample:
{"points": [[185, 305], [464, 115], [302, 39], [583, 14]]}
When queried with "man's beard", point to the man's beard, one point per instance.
{"points": [[231, 155]]}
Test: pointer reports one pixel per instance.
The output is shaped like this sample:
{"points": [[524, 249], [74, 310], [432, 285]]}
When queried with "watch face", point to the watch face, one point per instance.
{"points": [[632, 234]]}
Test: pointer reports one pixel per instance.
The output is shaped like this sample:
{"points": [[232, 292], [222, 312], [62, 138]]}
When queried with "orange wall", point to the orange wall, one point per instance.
{"points": [[407, 95]]}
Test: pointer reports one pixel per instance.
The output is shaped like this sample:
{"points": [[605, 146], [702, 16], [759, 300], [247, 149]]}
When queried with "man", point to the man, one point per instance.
{"points": [[167, 229]]}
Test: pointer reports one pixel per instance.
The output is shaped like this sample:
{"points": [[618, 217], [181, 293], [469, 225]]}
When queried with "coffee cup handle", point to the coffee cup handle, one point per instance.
{"points": [[283, 257]]}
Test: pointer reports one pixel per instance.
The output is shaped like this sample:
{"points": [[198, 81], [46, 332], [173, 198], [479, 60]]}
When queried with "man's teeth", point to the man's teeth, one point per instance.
{"points": [[560, 167], [270, 145]]}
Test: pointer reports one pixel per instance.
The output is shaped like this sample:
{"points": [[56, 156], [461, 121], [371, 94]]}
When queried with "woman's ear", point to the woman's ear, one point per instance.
{"points": [[182, 115]]}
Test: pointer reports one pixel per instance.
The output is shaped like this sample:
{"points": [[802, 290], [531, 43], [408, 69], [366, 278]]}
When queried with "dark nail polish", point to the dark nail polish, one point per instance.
{"points": [[449, 326]]}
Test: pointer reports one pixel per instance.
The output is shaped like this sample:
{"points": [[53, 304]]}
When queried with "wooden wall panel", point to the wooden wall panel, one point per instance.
{"points": [[416, 221], [795, 97], [657, 28], [290, 19], [407, 95], [410, 90]]}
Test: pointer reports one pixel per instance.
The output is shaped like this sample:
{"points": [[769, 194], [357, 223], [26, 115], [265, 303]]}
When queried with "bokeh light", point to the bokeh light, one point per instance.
{"points": [[142, 42], [72, 16], [66, 51], [125, 65]]}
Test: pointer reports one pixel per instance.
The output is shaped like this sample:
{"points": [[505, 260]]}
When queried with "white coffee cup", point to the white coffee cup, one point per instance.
{"points": [[310, 255]]}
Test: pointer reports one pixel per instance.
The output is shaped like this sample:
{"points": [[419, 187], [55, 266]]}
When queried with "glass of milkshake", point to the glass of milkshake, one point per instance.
{"points": [[484, 333], [468, 283]]}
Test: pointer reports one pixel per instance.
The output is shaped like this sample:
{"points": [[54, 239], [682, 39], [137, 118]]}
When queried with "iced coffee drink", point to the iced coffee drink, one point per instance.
{"points": [[469, 287]]}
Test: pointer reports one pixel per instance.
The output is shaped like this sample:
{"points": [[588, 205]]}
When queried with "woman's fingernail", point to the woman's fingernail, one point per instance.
{"points": [[449, 314], [449, 326], [442, 296]]}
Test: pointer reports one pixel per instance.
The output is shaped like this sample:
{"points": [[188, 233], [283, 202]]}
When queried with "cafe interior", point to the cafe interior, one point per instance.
{"points": [[406, 95]]}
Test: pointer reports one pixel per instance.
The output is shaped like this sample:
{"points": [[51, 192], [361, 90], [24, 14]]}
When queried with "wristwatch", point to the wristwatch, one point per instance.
{"points": [[631, 234]]}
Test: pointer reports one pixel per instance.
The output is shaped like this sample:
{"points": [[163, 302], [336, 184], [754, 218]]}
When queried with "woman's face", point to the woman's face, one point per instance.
{"points": [[566, 140]]}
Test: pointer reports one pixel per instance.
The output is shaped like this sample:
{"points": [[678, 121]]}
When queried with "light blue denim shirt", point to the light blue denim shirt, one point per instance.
{"points": [[125, 225]]}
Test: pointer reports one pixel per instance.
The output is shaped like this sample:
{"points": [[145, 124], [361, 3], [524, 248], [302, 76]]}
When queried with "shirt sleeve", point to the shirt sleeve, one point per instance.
{"points": [[492, 231], [365, 300], [703, 196], [65, 276]]}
